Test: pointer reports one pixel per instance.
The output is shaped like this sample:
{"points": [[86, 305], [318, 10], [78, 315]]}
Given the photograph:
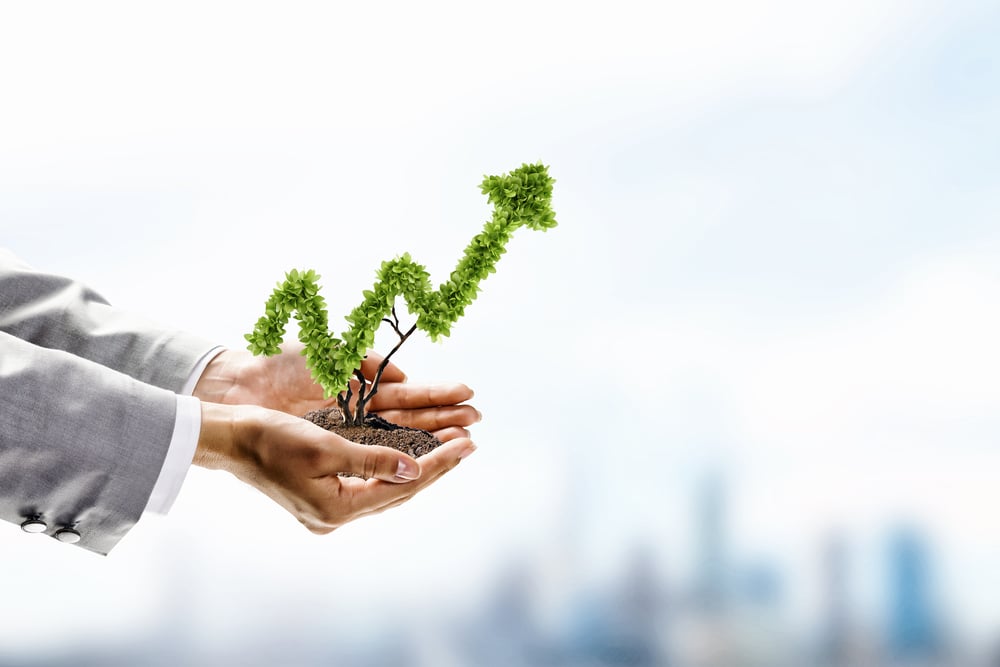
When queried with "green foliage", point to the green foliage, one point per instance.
{"points": [[521, 198]]}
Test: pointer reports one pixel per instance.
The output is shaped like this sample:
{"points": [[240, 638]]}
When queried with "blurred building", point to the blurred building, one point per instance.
{"points": [[913, 630], [710, 539], [835, 632]]}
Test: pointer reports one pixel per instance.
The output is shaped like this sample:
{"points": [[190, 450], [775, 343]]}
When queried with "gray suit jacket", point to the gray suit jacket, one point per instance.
{"points": [[87, 406]]}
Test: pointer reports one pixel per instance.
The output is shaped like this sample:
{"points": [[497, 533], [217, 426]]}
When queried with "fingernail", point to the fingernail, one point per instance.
{"points": [[468, 450], [407, 470], [480, 415]]}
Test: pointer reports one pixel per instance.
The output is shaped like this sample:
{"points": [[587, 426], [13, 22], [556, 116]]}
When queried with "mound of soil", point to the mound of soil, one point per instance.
{"points": [[376, 431]]}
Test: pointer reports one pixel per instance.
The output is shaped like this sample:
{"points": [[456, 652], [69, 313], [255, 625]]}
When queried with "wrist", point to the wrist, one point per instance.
{"points": [[220, 377], [217, 437]]}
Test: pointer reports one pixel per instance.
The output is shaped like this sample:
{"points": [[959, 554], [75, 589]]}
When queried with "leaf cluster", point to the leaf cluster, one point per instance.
{"points": [[521, 198]]}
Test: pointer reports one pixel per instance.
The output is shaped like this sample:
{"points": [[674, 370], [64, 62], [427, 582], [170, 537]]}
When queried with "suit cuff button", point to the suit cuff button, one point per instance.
{"points": [[34, 526], [67, 535]]}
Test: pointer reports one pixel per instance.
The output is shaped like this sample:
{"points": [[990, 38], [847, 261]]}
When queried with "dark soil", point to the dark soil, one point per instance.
{"points": [[376, 431]]}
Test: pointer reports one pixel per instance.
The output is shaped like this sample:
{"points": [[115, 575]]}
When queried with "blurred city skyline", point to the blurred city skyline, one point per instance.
{"points": [[730, 611]]}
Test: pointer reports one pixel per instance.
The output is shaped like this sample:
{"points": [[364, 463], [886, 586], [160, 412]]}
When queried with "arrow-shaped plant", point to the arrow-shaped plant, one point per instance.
{"points": [[521, 198]]}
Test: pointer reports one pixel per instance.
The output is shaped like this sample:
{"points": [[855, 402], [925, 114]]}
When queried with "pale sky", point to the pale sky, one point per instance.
{"points": [[777, 257]]}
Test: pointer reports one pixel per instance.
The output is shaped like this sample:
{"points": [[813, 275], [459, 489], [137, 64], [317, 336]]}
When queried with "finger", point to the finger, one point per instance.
{"points": [[396, 395], [373, 462], [434, 419], [426, 481], [452, 432], [373, 494], [392, 373]]}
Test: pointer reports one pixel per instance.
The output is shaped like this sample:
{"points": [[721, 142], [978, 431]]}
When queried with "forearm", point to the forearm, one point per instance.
{"points": [[58, 313], [81, 446]]}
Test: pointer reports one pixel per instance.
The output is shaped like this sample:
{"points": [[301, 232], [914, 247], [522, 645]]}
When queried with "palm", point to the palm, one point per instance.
{"points": [[282, 382]]}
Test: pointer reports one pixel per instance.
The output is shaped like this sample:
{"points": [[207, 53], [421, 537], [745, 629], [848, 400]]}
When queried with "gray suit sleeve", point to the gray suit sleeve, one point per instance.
{"points": [[61, 314], [81, 445]]}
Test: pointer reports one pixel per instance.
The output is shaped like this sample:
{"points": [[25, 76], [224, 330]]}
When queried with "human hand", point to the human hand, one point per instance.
{"points": [[282, 382], [296, 464]]}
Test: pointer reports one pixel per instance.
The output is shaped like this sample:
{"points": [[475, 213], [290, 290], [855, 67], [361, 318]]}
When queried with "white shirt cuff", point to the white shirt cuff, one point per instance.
{"points": [[183, 443]]}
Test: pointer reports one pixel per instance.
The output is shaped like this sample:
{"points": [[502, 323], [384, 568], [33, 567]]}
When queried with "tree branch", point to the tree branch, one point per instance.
{"points": [[359, 411], [394, 322], [344, 403], [385, 362]]}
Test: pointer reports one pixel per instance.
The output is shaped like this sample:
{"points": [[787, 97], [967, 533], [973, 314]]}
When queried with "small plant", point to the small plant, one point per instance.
{"points": [[521, 198]]}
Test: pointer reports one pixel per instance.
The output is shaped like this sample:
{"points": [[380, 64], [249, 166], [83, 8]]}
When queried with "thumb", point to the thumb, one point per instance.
{"points": [[382, 463]]}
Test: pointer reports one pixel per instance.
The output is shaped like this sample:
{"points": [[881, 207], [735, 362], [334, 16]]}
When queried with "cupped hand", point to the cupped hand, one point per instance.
{"points": [[297, 464], [282, 382]]}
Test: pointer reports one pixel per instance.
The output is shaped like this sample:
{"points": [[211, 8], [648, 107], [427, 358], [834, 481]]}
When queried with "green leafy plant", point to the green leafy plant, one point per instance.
{"points": [[521, 198]]}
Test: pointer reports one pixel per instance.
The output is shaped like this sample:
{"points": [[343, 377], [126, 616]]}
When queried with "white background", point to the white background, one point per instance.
{"points": [[776, 262]]}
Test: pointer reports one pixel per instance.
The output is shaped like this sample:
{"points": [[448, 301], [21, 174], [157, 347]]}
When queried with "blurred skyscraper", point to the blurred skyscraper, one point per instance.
{"points": [[835, 631], [640, 607], [507, 632], [711, 561], [913, 631]]}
